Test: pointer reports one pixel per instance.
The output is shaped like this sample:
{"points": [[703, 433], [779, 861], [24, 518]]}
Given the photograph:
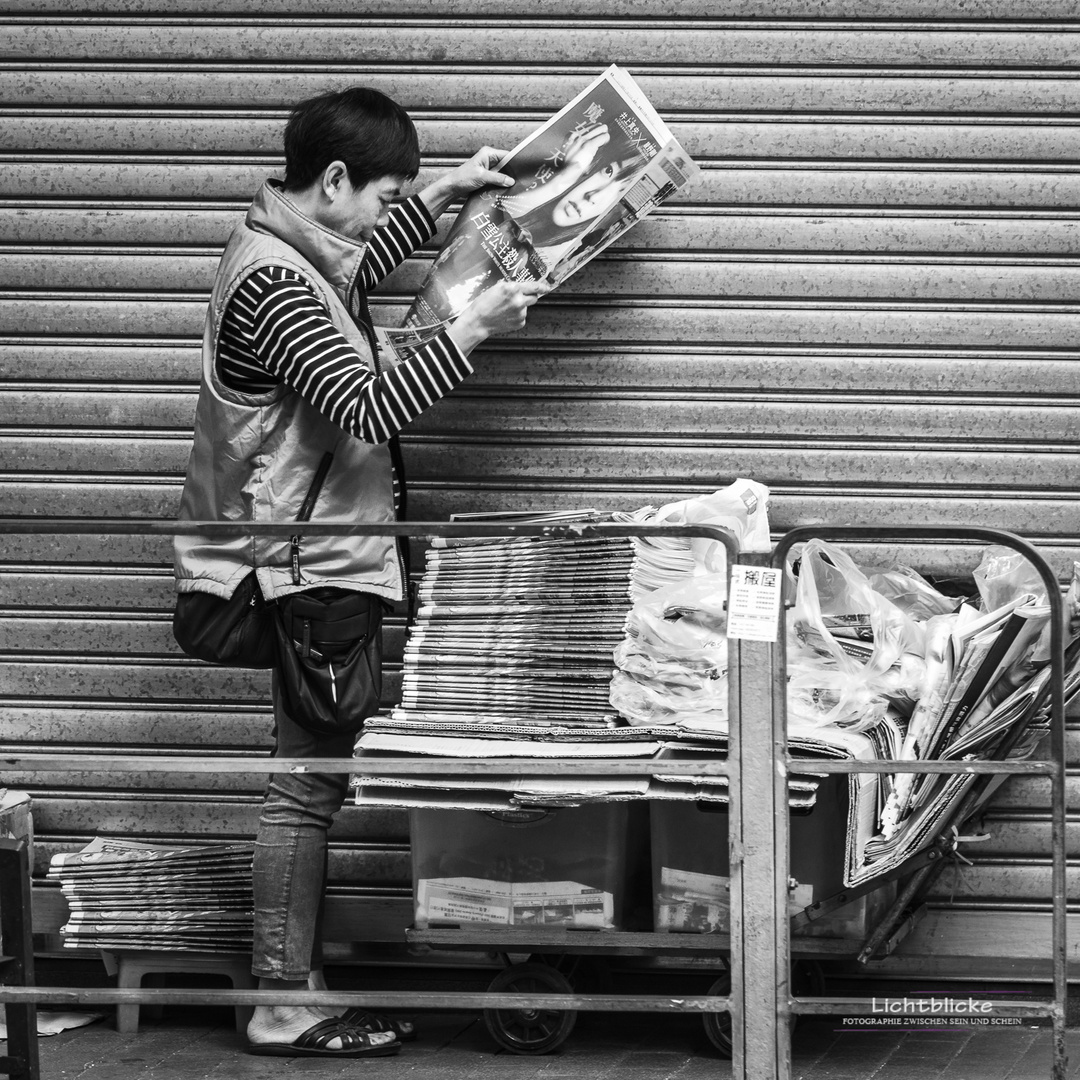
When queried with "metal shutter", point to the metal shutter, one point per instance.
{"points": [[869, 303]]}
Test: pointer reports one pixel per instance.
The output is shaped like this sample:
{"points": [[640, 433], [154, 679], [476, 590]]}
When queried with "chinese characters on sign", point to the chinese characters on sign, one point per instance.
{"points": [[754, 603]]}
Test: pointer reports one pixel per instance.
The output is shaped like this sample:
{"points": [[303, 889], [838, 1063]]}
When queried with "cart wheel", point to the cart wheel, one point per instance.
{"points": [[530, 1031], [807, 979], [718, 1025]]}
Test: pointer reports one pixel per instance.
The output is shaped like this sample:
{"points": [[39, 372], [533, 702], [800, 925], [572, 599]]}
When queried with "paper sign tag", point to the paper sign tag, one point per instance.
{"points": [[754, 603]]}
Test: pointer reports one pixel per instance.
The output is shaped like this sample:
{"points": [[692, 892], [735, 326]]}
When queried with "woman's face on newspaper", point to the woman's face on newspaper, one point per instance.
{"points": [[589, 197]]}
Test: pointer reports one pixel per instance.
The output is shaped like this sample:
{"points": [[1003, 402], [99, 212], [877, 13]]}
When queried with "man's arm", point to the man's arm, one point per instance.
{"points": [[413, 222], [297, 343], [409, 227]]}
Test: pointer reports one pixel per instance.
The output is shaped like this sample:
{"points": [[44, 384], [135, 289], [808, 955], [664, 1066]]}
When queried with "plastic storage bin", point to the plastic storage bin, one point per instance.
{"points": [[567, 866], [691, 868]]}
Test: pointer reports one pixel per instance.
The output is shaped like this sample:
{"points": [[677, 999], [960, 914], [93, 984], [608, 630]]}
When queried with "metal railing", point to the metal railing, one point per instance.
{"points": [[760, 1004]]}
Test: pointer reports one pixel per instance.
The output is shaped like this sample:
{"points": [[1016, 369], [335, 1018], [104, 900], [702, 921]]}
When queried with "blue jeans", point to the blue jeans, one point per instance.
{"points": [[289, 870]]}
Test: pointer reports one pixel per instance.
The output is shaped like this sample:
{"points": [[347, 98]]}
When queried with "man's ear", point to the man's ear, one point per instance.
{"points": [[332, 178]]}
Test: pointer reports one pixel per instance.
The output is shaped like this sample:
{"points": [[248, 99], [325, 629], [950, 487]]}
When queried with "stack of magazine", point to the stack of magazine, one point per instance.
{"points": [[517, 631], [127, 895]]}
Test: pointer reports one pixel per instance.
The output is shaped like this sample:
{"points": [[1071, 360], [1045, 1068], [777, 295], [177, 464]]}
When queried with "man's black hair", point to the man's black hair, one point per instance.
{"points": [[372, 134]]}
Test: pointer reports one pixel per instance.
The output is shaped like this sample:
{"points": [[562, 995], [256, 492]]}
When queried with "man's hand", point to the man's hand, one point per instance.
{"points": [[500, 310], [469, 176]]}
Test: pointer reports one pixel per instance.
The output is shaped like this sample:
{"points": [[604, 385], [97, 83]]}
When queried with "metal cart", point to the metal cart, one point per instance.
{"points": [[558, 962], [553, 955]]}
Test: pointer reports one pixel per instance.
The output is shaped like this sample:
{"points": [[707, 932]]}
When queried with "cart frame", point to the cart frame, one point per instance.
{"points": [[760, 1003]]}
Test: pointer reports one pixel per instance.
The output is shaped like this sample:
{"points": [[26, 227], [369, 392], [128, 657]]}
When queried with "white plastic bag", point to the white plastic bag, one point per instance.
{"points": [[851, 651], [912, 593], [672, 664], [646, 703], [1003, 576], [683, 619], [742, 508], [1072, 602]]}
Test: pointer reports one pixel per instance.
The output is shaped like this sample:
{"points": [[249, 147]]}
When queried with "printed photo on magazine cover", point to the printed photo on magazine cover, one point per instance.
{"points": [[581, 180]]}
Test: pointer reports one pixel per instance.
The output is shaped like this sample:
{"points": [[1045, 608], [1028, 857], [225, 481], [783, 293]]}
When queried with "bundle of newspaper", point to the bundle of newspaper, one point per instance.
{"points": [[127, 895], [921, 676], [582, 179], [517, 630], [510, 656]]}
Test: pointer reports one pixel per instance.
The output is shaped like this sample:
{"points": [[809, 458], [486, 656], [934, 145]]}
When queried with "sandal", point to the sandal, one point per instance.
{"points": [[371, 1022], [313, 1043]]}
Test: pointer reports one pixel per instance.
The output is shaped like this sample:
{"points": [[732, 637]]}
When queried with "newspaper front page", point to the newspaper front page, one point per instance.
{"points": [[582, 179]]}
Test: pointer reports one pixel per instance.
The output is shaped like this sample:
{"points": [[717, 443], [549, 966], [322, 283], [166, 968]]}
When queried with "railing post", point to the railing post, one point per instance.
{"points": [[760, 1008], [17, 966]]}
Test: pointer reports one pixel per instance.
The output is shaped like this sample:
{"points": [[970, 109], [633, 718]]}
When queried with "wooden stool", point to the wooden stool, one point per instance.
{"points": [[133, 965]]}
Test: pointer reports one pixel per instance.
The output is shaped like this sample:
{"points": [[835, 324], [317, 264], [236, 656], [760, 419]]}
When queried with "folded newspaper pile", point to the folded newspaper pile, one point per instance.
{"points": [[517, 631], [510, 656], [582, 179], [127, 895]]}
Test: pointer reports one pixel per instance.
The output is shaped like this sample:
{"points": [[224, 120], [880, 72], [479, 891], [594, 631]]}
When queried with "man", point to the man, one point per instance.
{"points": [[294, 413]]}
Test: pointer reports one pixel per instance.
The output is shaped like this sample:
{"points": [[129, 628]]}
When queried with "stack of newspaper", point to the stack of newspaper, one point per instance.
{"points": [[127, 895], [916, 809], [510, 656], [517, 631]]}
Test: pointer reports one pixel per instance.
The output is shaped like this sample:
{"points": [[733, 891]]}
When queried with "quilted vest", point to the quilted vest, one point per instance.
{"points": [[255, 455]]}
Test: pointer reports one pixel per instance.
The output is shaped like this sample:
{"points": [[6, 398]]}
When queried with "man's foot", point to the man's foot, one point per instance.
{"points": [[404, 1030], [327, 1038], [371, 1022], [276, 1029]]}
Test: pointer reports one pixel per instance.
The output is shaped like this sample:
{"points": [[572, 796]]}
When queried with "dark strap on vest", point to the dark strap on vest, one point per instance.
{"points": [[307, 507], [361, 314]]}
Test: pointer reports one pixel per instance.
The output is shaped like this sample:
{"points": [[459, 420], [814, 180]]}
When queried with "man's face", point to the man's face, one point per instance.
{"points": [[356, 212]]}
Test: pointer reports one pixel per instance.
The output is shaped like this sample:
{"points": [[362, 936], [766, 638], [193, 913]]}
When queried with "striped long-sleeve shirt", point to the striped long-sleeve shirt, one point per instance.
{"points": [[276, 331]]}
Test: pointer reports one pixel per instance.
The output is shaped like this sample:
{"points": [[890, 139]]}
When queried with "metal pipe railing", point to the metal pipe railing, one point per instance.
{"points": [[767, 1055]]}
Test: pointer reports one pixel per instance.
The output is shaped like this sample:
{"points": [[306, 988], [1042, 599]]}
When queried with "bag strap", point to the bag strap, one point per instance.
{"points": [[307, 508], [361, 315]]}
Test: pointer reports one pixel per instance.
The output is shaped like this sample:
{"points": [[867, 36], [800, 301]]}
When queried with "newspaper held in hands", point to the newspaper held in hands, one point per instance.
{"points": [[582, 179]]}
